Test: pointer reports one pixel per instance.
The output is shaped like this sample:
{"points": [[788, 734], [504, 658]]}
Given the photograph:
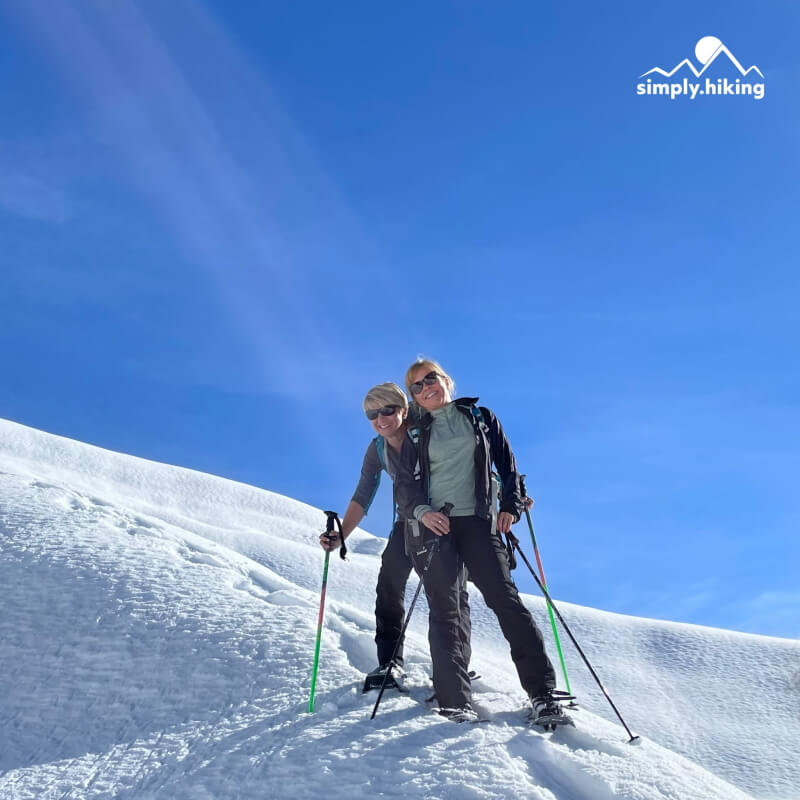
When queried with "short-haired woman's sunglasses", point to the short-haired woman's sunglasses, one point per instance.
{"points": [[428, 380], [384, 411]]}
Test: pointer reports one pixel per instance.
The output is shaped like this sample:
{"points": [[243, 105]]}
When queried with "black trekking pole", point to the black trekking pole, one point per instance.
{"points": [[515, 543], [445, 509]]}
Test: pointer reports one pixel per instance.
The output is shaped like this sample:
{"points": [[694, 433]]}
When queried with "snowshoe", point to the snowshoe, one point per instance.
{"points": [[547, 713], [465, 714], [563, 697], [395, 679]]}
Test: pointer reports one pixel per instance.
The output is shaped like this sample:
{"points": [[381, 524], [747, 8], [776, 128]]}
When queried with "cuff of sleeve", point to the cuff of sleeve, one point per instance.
{"points": [[420, 510]]}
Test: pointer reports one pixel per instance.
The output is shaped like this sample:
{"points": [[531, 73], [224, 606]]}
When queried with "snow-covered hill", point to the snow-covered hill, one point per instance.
{"points": [[156, 637]]}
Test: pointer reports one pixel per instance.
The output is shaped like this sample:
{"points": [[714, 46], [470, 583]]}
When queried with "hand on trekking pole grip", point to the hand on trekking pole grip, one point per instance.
{"points": [[436, 522], [505, 521], [332, 538], [330, 541], [527, 501]]}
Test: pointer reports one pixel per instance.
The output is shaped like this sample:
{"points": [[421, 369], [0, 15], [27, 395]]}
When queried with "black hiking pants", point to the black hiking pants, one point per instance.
{"points": [[471, 544], [390, 601]]}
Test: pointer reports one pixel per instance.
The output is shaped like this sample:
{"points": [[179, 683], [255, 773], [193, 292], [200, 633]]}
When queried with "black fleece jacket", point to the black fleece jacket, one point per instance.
{"points": [[491, 446]]}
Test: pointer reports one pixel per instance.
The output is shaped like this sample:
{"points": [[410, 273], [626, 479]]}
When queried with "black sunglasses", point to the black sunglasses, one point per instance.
{"points": [[384, 411], [428, 380]]}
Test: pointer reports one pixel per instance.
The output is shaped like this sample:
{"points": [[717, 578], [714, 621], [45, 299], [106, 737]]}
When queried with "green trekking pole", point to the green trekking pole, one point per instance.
{"points": [[333, 518], [544, 583]]}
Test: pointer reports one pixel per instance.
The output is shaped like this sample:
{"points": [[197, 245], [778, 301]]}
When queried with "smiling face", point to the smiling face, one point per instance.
{"points": [[388, 426], [434, 396]]}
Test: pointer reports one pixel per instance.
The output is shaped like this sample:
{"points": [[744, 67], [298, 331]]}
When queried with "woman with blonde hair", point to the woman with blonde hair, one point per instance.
{"points": [[451, 463], [386, 407]]}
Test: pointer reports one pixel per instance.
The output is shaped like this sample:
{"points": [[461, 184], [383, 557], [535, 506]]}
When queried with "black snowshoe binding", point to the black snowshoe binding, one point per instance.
{"points": [[394, 680], [546, 711]]}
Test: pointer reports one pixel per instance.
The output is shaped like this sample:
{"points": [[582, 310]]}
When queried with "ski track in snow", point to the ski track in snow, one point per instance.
{"points": [[162, 649]]}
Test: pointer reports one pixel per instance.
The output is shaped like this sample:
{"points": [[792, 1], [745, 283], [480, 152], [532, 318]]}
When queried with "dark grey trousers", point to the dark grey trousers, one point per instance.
{"points": [[390, 601], [471, 544]]}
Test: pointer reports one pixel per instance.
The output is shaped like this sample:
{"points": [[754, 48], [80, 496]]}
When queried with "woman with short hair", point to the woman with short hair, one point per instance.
{"points": [[458, 442]]}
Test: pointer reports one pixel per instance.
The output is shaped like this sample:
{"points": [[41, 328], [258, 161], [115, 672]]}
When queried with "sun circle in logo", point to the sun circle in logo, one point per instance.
{"points": [[706, 48]]}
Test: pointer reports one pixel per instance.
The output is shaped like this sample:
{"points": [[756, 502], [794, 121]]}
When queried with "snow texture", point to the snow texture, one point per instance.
{"points": [[156, 636]]}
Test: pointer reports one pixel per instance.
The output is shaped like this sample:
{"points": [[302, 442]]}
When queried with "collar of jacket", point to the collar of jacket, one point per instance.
{"points": [[463, 403]]}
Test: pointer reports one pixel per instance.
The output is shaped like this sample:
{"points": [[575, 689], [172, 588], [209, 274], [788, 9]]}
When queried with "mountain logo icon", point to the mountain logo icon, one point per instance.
{"points": [[707, 51]]}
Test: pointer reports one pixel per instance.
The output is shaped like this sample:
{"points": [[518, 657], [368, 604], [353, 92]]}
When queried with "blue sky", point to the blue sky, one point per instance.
{"points": [[222, 222]]}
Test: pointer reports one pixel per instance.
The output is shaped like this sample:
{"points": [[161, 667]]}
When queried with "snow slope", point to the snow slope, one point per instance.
{"points": [[156, 634]]}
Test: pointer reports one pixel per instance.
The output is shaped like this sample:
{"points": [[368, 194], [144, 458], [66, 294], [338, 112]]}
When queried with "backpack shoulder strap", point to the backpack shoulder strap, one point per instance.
{"points": [[380, 446], [479, 420], [413, 434]]}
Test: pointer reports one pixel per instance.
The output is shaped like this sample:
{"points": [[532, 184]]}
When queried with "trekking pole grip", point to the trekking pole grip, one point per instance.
{"points": [[333, 520]]}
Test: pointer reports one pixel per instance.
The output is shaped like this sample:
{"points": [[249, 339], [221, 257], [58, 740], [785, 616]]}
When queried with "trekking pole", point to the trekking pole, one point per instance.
{"points": [[515, 543], [333, 519], [445, 509], [544, 583]]}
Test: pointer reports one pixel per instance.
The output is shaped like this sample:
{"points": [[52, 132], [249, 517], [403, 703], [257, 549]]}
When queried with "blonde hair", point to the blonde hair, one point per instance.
{"points": [[431, 366], [385, 394]]}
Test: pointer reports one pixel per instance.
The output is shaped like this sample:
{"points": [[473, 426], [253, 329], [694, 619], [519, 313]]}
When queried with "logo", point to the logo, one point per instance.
{"points": [[709, 51]]}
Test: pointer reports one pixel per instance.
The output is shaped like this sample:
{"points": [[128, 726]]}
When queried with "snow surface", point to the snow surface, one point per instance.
{"points": [[156, 636]]}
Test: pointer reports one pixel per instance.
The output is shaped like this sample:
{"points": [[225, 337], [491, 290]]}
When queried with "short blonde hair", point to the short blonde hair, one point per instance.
{"points": [[385, 394], [431, 366]]}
